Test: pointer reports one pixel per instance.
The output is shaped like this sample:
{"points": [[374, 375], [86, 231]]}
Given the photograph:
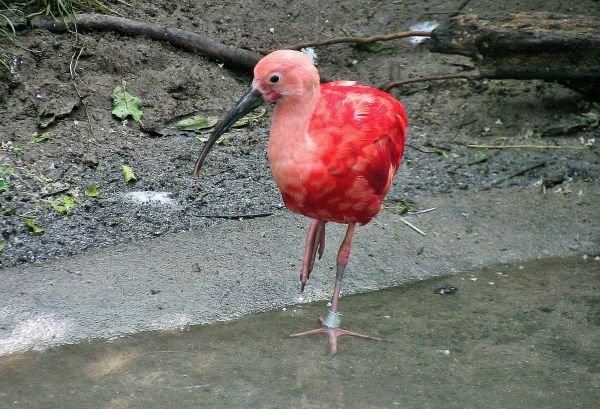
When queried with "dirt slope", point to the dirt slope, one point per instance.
{"points": [[444, 116]]}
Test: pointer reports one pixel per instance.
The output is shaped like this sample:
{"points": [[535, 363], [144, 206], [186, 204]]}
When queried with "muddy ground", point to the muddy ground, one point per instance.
{"points": [[444, 117], [512, 336]]}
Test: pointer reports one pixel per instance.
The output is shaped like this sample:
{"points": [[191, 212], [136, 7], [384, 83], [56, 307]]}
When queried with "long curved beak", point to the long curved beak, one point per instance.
{"points": [[251, 100]]}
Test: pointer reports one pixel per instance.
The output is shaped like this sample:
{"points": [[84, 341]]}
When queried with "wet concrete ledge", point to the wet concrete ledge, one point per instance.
{"points": [[240, 267]]}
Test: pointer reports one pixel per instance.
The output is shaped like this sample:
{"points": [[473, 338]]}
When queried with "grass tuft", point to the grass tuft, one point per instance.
{"points": [[7, 30], [60, 10]]}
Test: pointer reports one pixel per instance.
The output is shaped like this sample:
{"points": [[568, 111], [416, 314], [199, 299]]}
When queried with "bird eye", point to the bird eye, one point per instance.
{"points": [[274, 79]]}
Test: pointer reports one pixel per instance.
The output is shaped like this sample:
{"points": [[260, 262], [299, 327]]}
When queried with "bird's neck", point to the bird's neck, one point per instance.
{"points": [[291, 118]]}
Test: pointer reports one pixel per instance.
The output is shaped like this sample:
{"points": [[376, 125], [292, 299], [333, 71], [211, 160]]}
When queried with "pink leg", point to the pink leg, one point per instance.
{"points": [[315, 242], [330, 325]]}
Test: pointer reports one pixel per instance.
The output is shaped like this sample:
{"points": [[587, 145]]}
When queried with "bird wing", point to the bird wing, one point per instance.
{"points": [[360, 132]]}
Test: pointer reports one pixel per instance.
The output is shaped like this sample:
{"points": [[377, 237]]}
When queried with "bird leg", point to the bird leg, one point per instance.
{"points": [[330, 325], [315, 242]]}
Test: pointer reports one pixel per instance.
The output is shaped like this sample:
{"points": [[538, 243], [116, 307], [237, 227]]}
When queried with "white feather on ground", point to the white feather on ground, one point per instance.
{"points": [[422, 26]]}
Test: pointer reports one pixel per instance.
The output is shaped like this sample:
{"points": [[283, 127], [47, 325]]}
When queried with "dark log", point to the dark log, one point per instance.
{"points": [[233, 57], [538, 45]]}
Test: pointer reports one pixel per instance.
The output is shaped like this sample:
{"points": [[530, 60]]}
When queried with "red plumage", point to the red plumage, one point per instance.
{"points": [[359, 133]]}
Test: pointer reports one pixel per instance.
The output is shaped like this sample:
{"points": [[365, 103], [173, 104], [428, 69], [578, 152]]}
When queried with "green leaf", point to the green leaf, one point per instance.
{"points": [[6, 170], [198, 122], [63, 204], [379, 48], [195, 123], [9, 211], [128, 174], [249, 119], [2, 246], [36, 230], [16, 149], [45, 120], [126, 104], [41, 138], [399, 206], [221, 141], [4, 184], [398, 209], [91, 191]]}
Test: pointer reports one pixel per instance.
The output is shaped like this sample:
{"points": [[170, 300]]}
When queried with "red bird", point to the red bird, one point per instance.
{"points": [[334, 149]]}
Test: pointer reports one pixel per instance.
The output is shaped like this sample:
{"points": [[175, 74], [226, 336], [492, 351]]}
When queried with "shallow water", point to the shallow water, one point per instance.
{"points": [[512, 336]]}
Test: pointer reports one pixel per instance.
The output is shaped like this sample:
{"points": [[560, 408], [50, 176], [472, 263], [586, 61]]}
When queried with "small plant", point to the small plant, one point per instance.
{"points": [[5, 171], [64, 9], [33, 227], [63, 204], [7, 30], [128, 174], [16, 149], [61, 10], [41, 137], [126, 104], [91, 191]]}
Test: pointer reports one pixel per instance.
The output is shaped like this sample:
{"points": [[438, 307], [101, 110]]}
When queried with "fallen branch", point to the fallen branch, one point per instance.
{"points": [[514, 174], [525, 147], [441, 77], [74, 78], [421, 149], [360, 40], [237, 216], [431, 209], [232, 56], [412, 226]]}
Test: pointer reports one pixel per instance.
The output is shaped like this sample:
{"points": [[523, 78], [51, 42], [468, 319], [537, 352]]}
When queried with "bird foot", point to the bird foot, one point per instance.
{"points": [[333, 334]]}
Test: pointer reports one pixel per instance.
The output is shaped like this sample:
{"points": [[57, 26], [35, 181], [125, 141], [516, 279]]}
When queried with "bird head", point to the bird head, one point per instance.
{"points": [[279, 76], [285, 73]]}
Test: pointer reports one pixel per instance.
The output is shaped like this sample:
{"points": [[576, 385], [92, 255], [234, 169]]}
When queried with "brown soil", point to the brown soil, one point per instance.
{"points": [[444, 116]]}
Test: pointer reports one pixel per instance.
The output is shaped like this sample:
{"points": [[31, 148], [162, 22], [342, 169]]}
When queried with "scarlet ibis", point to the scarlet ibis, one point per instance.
{"points": [[334, 149]]}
